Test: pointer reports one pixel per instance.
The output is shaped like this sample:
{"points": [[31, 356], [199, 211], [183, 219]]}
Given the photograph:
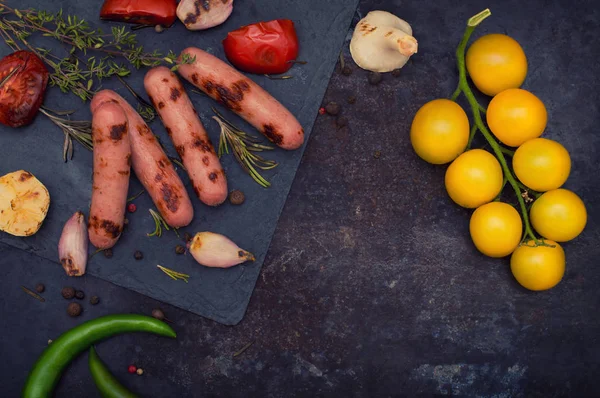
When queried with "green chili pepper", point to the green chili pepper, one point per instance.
{"points": [[49, 367], [107, 384]]}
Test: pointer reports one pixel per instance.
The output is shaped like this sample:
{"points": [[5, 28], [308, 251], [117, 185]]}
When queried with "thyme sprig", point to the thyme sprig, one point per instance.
{"points": [[244, 148], [70, 73], [174, 274], [159, 224]]}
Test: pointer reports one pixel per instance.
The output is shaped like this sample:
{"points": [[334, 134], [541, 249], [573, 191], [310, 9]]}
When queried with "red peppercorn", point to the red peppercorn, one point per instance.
{"points": [[321, 111], [131, 207], [132, 369]]}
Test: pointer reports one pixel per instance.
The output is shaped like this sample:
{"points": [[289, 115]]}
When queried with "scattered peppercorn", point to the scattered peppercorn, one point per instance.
{"points": [[74, 309], [158, 314], [68, 292], [341, 121], [108, 253], [131, 369], [79, 295], [237, 197], [94, 300], [138, 255], [332, 108], [375, 78], [40, 288], [131, 207], [159, 28], [139, 371], [49, 341], [187, 237], [346, 71], [396, 72], [321, 111], [179, 249], [351, 99], [377, 154]]}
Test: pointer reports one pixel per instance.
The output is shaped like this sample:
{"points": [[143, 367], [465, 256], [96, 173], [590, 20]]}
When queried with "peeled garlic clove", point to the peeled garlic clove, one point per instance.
{"points": [[214, 250], [73, 245]]}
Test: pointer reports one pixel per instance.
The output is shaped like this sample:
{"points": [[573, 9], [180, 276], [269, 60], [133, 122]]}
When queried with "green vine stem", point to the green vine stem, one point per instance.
{"points": [[477, 109]]}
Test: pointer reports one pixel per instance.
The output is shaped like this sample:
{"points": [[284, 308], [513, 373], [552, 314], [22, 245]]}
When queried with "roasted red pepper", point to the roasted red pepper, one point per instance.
{"points": [[263, 47], [145, 12], [23, 80]]}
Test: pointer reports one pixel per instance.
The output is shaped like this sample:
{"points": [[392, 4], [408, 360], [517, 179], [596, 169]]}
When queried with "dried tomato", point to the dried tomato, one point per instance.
{"points": [[23, 81]]}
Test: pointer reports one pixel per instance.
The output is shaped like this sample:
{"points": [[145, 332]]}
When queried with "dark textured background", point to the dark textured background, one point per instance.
{"points": [[371, 286], [219, 294]]}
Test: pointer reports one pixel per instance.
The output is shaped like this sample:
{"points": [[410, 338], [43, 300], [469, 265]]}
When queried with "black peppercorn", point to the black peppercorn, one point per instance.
{"points": [[351, 99], [94, 300], [332, 108], [375, 78], [68, 292], [179, 249], [40, 288], [138, 255], [237, 197], [341, 121], [396, 72], [108, 253], [79, 295], [187, 237], [74, 309], [377, 154], [346, 71]]}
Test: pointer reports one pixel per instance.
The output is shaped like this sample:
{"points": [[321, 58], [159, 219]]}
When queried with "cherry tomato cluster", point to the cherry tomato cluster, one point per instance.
{"points": [[516, 118]]}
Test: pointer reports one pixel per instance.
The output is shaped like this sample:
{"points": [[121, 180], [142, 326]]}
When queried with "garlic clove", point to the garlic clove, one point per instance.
{"points": [[214, 250], [73, 245]]}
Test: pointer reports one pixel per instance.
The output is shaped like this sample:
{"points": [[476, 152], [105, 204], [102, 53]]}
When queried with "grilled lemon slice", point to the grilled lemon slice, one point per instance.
{"points": [[24, 203]]}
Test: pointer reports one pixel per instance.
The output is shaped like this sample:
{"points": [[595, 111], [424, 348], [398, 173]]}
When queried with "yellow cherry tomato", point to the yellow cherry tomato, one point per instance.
{"points": [[559, 215], [542, 164], [516, 116], [496, 229], [440, 131], [474, 178], [495, 63], [538, 267]]}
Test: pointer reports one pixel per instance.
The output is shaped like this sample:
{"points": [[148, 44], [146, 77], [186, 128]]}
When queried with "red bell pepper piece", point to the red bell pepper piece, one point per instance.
{"points": [[263, 47], [146, 12]]}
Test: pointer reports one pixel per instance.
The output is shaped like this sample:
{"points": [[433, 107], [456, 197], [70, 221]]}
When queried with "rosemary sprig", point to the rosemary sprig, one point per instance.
{"points": [[159, 224], [284, 77], [174, 274], [244, 148], [80, 130], [69, 73], [177, 162], [137, 195]]}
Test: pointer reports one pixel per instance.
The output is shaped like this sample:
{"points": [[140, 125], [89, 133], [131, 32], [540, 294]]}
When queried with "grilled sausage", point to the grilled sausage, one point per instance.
{"points": [[152, 166], [112, 159], [188, 135], [246, 98]]}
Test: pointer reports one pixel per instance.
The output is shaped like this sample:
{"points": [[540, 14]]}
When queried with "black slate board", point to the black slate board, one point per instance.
{"points": [[221, 295]]}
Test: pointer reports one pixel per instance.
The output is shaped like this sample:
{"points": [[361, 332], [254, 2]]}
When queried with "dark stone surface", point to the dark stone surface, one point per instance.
{"points": [[218, 294], [372, 286]]}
